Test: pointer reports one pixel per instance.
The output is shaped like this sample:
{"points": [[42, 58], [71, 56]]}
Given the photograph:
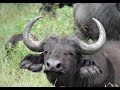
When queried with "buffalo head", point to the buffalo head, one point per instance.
{"points": [[62, 56]]}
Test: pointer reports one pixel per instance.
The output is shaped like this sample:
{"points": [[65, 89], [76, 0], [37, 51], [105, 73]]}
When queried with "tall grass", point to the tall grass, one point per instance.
{"points": [[13, 18]]}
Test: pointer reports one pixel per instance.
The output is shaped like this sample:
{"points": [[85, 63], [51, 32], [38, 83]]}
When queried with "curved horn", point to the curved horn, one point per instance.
{"points": [[95, 47], [28, 40]]}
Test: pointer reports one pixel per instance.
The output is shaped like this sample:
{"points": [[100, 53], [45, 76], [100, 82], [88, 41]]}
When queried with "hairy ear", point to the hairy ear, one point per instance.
{"points": [[33, 62]]}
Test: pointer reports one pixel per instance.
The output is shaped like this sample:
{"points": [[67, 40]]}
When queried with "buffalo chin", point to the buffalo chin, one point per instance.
{"points": [[55, 77]]}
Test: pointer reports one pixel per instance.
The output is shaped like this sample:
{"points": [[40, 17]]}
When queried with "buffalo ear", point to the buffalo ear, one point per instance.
{"points": [[33, 62]]}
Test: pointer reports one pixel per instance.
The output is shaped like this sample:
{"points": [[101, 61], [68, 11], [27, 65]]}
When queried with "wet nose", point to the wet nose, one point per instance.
{"points": [[53, 65]]}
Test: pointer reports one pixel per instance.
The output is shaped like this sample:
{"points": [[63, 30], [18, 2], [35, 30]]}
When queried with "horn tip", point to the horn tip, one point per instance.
{"points": [[94, 19], [39, 17]]}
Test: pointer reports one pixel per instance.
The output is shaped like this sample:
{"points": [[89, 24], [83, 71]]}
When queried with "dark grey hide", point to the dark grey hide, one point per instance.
{"points": [[107, 13]]}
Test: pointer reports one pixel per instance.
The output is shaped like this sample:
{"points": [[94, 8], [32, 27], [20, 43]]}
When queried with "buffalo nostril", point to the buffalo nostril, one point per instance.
{"points": [[58, 65], [53, 65]]}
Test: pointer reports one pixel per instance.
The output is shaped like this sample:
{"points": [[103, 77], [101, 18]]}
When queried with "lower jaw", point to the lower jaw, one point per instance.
{"points": [[55, 77]]}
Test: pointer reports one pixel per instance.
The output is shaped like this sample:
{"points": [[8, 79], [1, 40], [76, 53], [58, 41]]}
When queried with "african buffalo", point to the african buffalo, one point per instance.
{"points": [[70, 62], [50, 8], [107, 13]]}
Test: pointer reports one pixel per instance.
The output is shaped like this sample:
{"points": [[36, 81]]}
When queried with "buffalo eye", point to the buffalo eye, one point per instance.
{"points": [[65, 54], [46, 52], [70, 53], [49, 52]]}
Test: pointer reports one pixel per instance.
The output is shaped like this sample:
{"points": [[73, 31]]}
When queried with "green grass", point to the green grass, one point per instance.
{"points": [[13, 18]]}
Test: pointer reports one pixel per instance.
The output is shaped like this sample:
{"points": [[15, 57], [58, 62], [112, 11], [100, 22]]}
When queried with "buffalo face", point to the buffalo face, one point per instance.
{"points": [[60, 61]]}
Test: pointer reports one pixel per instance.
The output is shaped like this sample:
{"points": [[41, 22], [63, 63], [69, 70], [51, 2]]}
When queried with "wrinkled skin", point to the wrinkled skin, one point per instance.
{"points": [[107, 13]]}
